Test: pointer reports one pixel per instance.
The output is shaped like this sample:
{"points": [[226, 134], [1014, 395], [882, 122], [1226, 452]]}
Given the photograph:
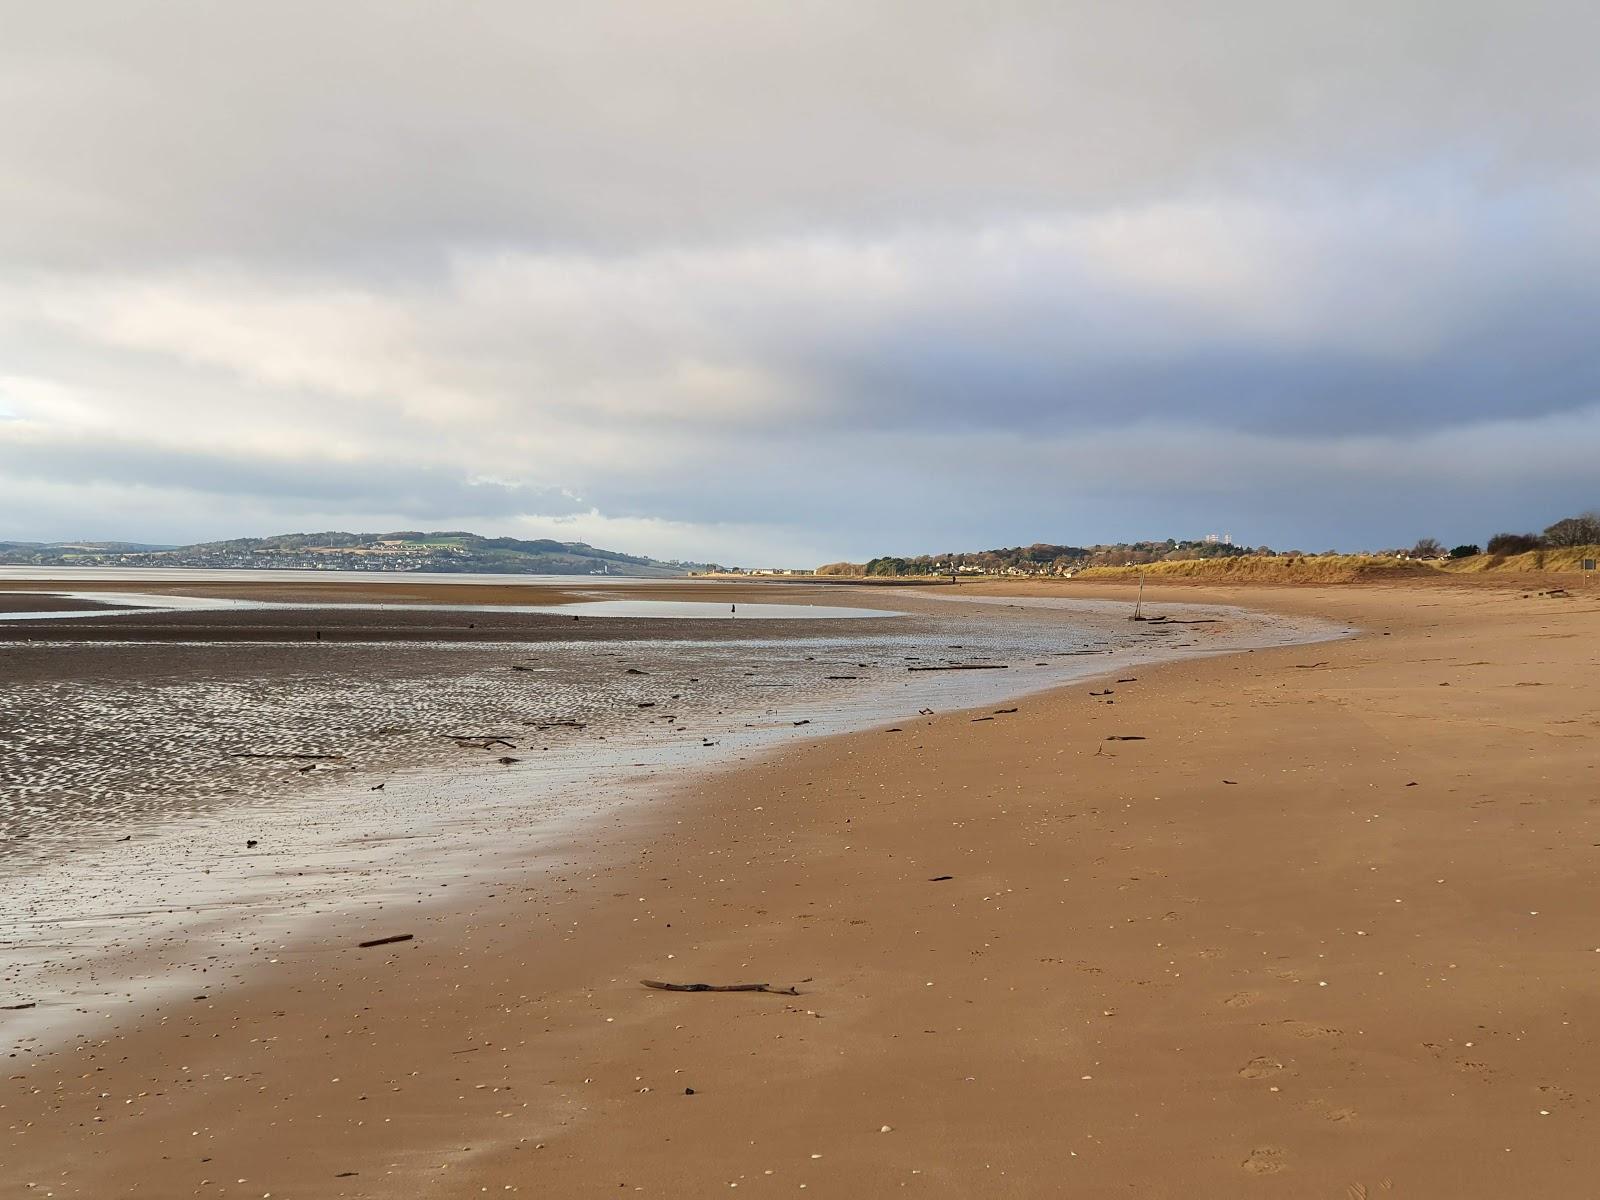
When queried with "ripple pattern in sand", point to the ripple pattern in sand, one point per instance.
{"points": [[142, 732]]}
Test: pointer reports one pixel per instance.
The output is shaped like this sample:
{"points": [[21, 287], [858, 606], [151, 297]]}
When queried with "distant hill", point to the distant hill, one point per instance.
{"points": [[405, 550]]}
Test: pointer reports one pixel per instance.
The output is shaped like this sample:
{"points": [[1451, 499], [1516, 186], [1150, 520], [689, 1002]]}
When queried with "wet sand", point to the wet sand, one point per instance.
{"points": [[367, 625], [170, 797], [380, 615], [403, 588], [33, 601], [1326, 930], [151, 712]]}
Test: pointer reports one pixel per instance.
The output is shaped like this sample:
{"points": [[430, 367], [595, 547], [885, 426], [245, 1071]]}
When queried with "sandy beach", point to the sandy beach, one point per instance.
{"points": [[1305, 922]]}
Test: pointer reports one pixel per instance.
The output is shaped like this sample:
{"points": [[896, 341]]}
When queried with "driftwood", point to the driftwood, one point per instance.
{"points": [[718, 987], [964, 667], [256, 754], [384, 941], [19, 1007], [1126, 737]]}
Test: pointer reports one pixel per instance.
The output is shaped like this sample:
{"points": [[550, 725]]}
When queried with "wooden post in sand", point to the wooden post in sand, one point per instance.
{"points": [[1139, 603]]}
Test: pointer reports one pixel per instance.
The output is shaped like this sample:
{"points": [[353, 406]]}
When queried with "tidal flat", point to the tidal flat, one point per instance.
{"points": [[178, 769]]}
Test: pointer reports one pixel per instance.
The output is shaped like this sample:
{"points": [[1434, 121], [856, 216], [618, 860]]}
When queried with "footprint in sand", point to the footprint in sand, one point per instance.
{"points": [[1337, 1114], [1242, 999], [1360, 1191], [1261, 1067], [1308, 1029], [1265, 1160]]}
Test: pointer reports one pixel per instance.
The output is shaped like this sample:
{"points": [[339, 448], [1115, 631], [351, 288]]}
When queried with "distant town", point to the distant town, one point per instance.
{"points": [[447, 552]]}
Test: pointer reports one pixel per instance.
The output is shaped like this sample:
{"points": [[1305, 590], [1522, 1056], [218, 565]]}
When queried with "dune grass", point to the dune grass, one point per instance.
{"points": [[1318, 568], [1310, 568], [1563, 558]]}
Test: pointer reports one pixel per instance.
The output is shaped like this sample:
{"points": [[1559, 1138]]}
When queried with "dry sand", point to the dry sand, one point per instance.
{"points": [[1328, 931]]}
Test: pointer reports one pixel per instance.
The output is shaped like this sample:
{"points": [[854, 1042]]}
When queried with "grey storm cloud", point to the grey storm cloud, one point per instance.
{"points": [[405, 489], [766, 281]]}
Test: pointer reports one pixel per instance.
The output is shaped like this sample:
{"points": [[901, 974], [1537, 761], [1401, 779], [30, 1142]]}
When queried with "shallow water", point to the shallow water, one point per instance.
{"points": [[127, 603]]}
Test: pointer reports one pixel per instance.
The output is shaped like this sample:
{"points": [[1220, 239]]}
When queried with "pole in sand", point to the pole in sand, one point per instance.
{"points": [[1138, 604]]}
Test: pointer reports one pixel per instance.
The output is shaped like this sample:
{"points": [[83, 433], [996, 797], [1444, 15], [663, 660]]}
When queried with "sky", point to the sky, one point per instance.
{"points": [[783, 284]]}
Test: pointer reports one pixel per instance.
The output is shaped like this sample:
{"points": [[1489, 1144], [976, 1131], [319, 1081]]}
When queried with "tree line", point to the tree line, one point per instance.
{"points": [[1581, 530]]}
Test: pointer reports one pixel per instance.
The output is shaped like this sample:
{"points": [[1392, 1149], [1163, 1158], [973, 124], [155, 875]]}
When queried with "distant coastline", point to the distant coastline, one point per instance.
{"points": [[451, 552]]}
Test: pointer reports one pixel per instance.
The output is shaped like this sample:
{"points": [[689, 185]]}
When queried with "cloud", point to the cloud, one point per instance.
{"points": [[192, 129], [799, 282], [406, 489]]}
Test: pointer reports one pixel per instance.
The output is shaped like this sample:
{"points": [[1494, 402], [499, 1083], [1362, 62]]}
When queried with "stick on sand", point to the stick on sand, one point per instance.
{"points": [[718, 987]]}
